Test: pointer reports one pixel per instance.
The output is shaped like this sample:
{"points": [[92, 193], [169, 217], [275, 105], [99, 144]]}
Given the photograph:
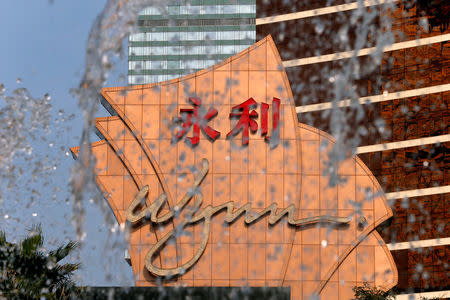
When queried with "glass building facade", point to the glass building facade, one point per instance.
{"points": [[187, 36]]}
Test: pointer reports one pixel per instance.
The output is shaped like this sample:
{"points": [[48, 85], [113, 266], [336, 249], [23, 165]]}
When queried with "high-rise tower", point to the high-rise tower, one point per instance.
{"points": [[187, 36], [415, 171]]}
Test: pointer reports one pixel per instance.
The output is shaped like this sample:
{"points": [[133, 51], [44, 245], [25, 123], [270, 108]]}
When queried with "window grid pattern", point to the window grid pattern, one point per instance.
{"points": [[179, 39]]}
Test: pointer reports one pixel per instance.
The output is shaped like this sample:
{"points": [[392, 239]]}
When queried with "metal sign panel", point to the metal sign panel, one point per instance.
{"points": [[223, 186]]}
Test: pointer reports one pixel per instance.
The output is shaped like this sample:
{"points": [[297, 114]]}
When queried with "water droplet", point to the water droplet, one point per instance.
{"points": [[29, 150], [6, 217], [182, 156], [426, 164], [181, 177], [419, 268], [19, 80], [34, 214], [319, 27], [423, 22], [324, 243], [51, 145]]}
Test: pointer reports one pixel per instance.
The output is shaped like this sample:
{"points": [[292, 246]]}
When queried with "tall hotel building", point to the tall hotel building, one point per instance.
{"points": [[410, 92], [187, 36]]}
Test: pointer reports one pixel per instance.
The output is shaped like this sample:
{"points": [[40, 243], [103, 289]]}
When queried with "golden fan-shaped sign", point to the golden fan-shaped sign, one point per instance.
{"points": [[223, 186]]}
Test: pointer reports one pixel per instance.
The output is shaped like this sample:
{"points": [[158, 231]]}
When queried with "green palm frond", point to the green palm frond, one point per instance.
{"points": [[2, 238], [29, 272], [33, 242], [67, 269], [63, 251]]}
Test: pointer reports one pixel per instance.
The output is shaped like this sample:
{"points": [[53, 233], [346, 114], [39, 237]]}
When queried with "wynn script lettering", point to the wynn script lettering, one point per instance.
{"points": [[137, 212]]}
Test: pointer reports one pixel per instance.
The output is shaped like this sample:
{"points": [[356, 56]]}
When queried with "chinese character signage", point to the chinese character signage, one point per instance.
{"points": [[192, 118], [242, 112], [222, 186]]}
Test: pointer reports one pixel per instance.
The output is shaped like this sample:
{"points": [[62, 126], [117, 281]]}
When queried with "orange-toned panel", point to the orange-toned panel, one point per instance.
{"points": [[142, 172], [290, 170], [358, 195], [114, 181], [235, 171]]}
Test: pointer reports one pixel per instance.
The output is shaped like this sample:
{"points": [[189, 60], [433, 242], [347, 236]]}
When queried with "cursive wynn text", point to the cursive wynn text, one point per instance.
{"points": [[136, 213]]}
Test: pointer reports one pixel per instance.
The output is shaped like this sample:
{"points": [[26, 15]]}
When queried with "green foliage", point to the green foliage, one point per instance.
{"points": [[366, 292], [29, 272]]}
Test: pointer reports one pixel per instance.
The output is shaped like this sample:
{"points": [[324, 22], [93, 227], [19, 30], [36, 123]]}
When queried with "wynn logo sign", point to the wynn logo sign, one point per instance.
{"points": [[205, 214], [222, 186]]}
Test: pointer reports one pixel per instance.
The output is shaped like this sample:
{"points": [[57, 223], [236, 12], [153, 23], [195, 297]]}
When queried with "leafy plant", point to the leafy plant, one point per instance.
{"points": [[367, 292], [29, 272]]}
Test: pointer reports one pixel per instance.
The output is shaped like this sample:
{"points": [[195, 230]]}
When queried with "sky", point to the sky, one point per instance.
{"points": [[44, 45]]}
